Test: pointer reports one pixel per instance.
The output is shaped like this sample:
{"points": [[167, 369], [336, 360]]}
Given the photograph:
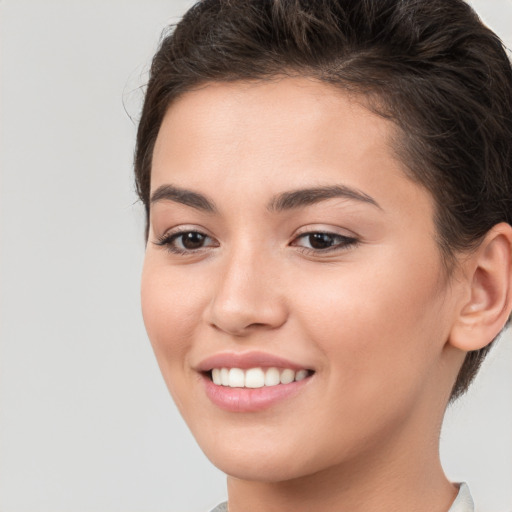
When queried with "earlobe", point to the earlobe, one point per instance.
{"points": [[489, 278]]}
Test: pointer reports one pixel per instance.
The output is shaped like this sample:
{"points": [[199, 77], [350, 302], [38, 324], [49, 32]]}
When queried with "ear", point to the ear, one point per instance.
{"points": [[488, 275]]}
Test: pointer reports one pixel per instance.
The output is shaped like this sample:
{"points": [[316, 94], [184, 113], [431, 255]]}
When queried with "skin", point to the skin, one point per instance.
{"points": [[373, 319]]}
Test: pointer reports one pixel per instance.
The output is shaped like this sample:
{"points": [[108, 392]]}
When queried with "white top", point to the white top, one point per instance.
{"points": [[463, 502]]}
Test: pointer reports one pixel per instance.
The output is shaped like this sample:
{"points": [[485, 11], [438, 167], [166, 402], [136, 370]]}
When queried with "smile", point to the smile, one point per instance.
{"points": [[256, 377], [252, 381]]}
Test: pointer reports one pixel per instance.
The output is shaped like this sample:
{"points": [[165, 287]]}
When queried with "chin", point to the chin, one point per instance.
{"points": [[259, 467], [266, 459], [250, 454]]}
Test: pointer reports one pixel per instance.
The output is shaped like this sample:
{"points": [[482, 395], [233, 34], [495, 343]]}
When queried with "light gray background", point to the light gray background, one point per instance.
{"points": [[86, 424]]}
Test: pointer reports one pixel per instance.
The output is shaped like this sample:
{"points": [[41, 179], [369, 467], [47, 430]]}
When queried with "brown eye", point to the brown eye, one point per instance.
{"points": [[321, 240], [185, 242], [192, 240]]}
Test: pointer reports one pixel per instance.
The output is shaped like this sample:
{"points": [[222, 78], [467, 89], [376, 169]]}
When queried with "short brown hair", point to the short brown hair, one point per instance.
{"points": [[431, 66]]}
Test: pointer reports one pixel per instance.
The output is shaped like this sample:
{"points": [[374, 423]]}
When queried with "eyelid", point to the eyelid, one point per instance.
{"points": [[334, 235], [183, 228], [326, 229]]}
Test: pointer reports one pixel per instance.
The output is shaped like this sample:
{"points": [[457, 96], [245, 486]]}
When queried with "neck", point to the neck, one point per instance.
{"points": [[335, 491], [392, 478]]}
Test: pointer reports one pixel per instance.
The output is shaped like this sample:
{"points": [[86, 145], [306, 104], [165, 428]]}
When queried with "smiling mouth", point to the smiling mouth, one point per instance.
{"points": [[253, 378]]}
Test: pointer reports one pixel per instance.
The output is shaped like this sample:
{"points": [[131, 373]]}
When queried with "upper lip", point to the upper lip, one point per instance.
{"points": [[245, 360]]}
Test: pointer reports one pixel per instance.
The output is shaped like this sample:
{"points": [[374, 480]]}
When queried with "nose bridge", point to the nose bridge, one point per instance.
{"points": [[247, 294]]}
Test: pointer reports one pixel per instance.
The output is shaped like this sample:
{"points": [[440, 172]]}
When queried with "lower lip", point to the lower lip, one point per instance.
{"points": [[249, 399]]}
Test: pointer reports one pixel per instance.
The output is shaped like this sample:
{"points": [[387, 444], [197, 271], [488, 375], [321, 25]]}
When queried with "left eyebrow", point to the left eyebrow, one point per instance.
{"points": [[308, 196], [183, 196]]}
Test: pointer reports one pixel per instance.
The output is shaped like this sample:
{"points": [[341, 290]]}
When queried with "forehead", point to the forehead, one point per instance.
{"points": [[254, 104], [297, 121]]}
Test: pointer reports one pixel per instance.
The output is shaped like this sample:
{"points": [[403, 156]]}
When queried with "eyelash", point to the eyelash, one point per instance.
{"points": [[168, 239], [344, 242]]}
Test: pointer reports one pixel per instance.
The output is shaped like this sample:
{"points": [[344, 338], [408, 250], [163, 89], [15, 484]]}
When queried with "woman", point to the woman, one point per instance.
{"points": [[329, 200]]}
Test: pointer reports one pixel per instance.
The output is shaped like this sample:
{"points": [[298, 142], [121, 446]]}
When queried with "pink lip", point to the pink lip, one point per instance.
{"points": [[246, 399], [245, 360], [250, 400]]}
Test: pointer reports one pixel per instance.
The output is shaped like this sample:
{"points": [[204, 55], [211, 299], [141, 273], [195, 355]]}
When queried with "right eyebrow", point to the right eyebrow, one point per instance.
{"points": [[183, 196], [307, 196]]}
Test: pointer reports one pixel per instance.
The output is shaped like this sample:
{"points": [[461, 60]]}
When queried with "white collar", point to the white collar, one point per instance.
{"points": [[463, 502]]}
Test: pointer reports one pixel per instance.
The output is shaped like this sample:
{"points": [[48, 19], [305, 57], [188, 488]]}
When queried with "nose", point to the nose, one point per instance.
{"points": [[247, 295]]}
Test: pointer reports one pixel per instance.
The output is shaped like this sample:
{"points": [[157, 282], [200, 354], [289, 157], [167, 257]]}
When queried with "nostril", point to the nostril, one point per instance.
{"points": [[256, 325]]}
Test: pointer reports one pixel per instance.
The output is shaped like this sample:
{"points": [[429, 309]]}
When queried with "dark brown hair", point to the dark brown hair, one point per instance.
{"points": [[431, 66]]}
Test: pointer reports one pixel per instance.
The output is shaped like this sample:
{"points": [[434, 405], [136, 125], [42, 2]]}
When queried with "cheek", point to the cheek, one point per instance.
{"points": [[170, 308], [379, 325]]}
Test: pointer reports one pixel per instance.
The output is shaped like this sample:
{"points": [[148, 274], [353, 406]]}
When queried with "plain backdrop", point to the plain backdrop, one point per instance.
{"points": [[86, 423]]}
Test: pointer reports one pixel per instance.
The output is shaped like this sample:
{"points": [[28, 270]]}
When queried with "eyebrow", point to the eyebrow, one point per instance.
{"points": [[308, 196], [183, 196], [285, 201]]}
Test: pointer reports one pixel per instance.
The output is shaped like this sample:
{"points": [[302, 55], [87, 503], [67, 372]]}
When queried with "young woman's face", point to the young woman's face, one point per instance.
{"points": [[286, 242]]}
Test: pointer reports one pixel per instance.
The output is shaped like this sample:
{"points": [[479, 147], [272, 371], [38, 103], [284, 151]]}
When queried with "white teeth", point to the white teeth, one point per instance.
{"points": [[236, 378], [216, 376], [272, 377], [255, 377], [301, 374], [287, 376], [224, 376]]}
